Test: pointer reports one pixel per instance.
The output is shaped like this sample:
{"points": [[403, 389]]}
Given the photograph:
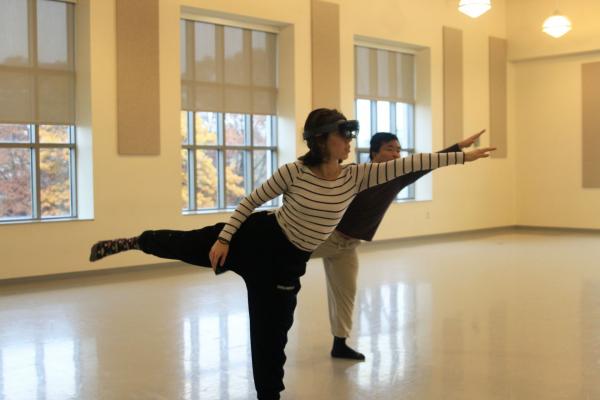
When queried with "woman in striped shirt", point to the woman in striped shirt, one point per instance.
{"points": [[269, 249]]}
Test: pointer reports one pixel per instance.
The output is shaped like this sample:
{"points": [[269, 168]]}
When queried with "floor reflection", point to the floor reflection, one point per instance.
{"points": [[50, 368], [217, 349], [386, 333]]}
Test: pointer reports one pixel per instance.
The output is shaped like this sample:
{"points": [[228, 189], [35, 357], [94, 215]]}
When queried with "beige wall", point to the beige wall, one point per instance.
{"points": [[549, 145], [546, 113], [135, 193], [524, 28]]}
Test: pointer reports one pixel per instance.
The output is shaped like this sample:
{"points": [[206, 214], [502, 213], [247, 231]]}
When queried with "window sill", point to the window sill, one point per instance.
{"points": [[43, 221], [403, 201], [224, 210]]}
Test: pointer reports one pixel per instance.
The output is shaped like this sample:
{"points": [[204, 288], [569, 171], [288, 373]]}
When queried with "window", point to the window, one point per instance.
{"points": [[37, 110], [385, 101], [228, 117]]}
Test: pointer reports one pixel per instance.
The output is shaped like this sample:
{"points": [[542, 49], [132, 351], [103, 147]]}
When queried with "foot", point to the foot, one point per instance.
{"points": [[107, 247], [341, 350], [98, 251]]}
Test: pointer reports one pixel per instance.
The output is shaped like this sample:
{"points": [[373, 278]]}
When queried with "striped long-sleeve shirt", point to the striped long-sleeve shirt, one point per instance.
{"points": [[313, 207]]}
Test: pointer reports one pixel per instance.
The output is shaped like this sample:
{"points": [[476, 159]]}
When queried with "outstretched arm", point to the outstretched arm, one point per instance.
{"points": [[410, 178], [373, 174]]}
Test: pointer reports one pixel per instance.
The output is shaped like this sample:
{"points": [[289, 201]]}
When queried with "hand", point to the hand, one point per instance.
{"points": [[468, 142], [478, 153], [218, 254]]}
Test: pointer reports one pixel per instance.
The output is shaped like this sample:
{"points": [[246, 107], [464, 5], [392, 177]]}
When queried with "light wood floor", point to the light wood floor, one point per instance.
{"points": [[506, 315]]}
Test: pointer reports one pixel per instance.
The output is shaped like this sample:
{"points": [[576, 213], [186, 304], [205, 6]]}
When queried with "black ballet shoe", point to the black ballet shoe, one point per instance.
{"points": [[341, 350], [98, 251]]}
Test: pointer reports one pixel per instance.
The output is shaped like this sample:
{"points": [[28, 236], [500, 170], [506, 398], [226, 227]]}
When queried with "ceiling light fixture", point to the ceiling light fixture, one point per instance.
{"points": [[474, 8], [556, 25]]}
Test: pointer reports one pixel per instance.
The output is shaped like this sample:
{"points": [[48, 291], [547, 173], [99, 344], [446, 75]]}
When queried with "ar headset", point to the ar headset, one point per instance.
{"points": [[348, 129]]}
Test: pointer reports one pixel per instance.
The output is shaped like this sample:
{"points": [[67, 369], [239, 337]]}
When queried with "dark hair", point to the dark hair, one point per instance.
{"points": [[317, 150], [378, 140]]}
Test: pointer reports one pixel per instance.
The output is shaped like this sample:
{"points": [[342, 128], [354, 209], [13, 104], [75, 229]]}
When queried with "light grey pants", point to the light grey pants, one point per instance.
{"points": [[341, 269]]}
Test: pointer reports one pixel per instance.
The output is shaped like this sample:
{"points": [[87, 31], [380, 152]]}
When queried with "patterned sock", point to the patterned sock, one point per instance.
{"points": [[108, 247], [342, 350]]}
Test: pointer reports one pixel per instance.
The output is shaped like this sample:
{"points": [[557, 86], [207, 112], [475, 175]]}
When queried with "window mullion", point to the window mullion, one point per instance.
{"points": [[411, 135], [373, 117], [192, 163], [36, 185], [73, 174], [250, 155], [393, 125], [221, 161]]}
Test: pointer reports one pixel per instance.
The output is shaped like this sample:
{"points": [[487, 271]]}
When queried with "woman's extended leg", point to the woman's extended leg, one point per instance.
{"points": [[191, 247]]}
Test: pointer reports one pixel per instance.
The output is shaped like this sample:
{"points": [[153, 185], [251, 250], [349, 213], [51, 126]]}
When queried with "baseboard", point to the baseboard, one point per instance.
{"points": [[92, 273], [457, 235]]}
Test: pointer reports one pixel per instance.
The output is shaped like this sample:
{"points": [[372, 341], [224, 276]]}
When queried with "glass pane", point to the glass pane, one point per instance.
{"points": [[383, 116], [185, 192], [183, 49], [14, 133], [404, 193], [363, 71], [403, 121], [237, 56], [235, 130], [363, 158], [14, 35], [263, 168], [207, 176], [206, 128], [56, 103], [261, 127], [54, 134], [264, 59], [55, 182], [53, 25], [363, 113], [383, 73], [205, 52], [18, 97], [15, 183], [234, 177], [183, 126]]}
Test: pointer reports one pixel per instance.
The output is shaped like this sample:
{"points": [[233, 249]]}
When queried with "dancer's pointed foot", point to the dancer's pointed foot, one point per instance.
{"points": [[108, 247]]}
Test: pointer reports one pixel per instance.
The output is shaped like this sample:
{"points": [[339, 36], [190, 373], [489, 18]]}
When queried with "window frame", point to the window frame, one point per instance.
{"points": [[221, 148], [191, 14], [35, 146], [411, 134]]}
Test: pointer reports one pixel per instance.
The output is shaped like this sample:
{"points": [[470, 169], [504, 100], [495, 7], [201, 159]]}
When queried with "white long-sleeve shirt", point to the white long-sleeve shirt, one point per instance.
{"points": [[313, 207]]}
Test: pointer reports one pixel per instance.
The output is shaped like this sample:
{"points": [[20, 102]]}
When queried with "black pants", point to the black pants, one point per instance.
{"points": [[270, 266]]}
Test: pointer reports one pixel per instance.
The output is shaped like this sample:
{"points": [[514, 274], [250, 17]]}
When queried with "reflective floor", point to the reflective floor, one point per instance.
{"points": [[510, 315]]}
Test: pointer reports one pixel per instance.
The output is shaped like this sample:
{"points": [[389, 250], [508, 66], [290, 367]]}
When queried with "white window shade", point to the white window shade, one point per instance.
{"points": [[37, 74], [384, 75], [227, 69]]}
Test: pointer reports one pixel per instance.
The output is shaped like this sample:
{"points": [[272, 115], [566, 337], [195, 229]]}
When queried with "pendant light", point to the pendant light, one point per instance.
{"points": [[474, 8], [557, 24]]}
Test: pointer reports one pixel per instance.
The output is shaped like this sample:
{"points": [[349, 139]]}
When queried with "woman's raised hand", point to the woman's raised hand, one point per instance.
{"points": [[478, 153], [468, 142]]}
